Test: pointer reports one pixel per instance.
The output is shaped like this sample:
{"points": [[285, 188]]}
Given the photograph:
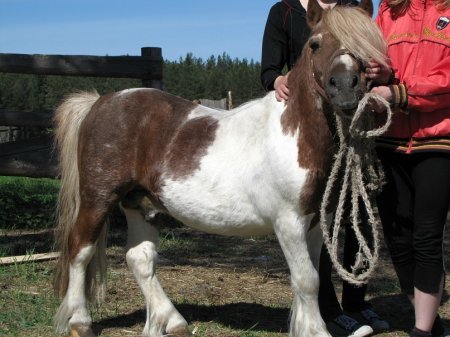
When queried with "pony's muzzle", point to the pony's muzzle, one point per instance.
{"points": [[344, 90]]}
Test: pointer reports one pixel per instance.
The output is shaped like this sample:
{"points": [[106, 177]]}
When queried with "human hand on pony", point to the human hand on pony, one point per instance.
{"points": [[281, 88], [380, 74]]}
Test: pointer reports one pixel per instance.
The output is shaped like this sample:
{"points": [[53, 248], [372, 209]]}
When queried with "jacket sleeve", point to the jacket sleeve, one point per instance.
{"points": [[274, 48], [431, 92]]}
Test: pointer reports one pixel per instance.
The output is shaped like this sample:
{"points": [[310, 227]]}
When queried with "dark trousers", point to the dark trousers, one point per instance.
{"points": [[413, 208], [352, 296]]}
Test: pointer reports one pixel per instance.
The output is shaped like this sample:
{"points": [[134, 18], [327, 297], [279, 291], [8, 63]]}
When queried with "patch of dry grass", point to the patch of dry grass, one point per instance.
{"points": [[223, 286]]}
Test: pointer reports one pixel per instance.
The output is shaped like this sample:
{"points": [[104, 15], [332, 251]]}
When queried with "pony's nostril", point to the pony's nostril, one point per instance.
{"points": [[332, 81], [355, 81]]}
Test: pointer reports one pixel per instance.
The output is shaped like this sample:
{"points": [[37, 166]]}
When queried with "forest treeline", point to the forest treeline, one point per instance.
{"points": [[190, 77]]}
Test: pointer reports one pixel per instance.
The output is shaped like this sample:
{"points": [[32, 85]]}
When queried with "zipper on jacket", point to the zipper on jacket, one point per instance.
{"points": [[424, 4]]}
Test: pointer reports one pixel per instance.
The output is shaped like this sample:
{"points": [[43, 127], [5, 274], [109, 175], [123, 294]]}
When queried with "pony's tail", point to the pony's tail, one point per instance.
{"points": [[67, 120]]}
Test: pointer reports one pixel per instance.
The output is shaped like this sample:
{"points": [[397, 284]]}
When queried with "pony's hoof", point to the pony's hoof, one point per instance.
{"points": [[80, 330], [179, 332]]}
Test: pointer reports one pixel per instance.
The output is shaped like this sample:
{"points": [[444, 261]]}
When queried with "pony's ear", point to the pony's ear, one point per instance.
{"points": [[314, 13], [367, 6]]}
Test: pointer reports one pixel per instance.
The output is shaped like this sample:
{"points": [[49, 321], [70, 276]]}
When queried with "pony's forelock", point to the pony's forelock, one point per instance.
{"points": [[356, 32]]}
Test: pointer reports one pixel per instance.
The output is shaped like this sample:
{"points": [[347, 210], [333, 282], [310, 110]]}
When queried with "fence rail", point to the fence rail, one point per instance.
{"points": [[26, 118], [71, 65], [34, 157]]}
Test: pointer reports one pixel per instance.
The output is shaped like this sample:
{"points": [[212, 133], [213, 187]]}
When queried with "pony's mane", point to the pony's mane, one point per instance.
{"points": [[357, 33]]}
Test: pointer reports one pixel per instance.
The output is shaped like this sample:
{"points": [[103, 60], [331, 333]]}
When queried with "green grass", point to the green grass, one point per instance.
{"points": [[27, 203], [27, 303]]}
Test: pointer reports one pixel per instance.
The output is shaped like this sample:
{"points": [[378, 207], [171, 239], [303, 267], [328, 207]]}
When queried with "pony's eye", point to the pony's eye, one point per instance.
{"points": [[314, 42]]}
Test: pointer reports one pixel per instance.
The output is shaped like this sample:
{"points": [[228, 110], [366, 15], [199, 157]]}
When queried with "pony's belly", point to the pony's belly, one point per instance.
{"points": [[231, 207], [228, 228], [216, 215], [224, 209]]}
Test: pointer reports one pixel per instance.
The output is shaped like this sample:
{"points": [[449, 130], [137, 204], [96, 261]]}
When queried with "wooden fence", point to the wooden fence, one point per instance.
{"points": [[34, 157], [224, 103]]}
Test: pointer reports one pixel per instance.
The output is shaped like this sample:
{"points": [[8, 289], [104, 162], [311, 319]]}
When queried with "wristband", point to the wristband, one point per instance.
{"points": [[399, 94]]}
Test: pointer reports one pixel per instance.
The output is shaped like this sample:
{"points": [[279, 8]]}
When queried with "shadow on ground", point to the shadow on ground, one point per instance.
{"points": [[240, 316], [243, 316]]}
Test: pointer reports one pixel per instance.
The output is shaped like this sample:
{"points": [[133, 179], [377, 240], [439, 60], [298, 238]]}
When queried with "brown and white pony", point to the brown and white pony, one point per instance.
{"points": [[257, 169]]}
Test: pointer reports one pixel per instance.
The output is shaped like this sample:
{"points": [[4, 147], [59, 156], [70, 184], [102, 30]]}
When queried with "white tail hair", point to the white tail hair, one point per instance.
{"points": [[68, 119]]}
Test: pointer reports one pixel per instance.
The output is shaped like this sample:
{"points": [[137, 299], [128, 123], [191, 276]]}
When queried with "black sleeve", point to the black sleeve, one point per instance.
{"points": [[274, 47]]}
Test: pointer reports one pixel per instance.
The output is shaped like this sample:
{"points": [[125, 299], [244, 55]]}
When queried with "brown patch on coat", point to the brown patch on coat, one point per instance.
{"points": [[189, 145], [127, 142], [316, 145]]}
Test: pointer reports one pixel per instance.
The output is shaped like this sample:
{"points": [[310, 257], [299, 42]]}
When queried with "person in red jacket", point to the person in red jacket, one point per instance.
{"points": [[415, 151]]}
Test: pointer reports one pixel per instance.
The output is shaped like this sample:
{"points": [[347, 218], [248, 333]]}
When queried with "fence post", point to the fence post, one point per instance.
{"points": [[152, 52]]}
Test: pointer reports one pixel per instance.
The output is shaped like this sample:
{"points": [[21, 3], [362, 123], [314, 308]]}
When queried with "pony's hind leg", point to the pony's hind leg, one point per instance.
{"points": [[81, 247], [292, 232], [162, 318]]}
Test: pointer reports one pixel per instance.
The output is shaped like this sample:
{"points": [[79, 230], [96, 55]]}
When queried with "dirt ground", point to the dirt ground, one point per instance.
{"points": [[227, 286]]}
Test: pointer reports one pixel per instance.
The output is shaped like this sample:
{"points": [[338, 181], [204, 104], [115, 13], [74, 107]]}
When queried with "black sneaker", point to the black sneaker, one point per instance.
{"points": [[345, 326], [419, 333], [369, 317], [438, 329]]}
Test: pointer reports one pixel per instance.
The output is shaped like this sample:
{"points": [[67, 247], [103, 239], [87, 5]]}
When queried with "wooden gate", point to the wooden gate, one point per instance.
{"points": [[35, 157]]}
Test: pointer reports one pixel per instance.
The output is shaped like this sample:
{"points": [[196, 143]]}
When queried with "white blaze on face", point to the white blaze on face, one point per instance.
{"points": [[348, 61]]}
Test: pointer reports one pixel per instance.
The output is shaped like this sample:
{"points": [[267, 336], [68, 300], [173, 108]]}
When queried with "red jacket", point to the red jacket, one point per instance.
{"points": [[419, 48]]}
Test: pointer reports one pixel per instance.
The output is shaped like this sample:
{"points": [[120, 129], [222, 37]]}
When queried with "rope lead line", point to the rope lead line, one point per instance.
{"points": [[362, 177]]}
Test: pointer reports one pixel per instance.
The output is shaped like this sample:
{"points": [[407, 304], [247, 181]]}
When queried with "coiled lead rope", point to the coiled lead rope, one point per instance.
{"points": [[362, 178]]}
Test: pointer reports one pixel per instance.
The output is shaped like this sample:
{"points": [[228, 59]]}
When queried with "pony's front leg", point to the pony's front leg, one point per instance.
{"points": [[306, 321], [162, 317]]}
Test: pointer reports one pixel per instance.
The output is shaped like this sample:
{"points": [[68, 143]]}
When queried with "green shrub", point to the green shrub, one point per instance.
{"points": [[27, 203]]}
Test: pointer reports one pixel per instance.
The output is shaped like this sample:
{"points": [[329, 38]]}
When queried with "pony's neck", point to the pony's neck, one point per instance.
{"points": [[310, 115]]}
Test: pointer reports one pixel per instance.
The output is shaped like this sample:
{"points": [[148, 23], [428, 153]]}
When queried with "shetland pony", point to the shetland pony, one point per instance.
{"points": [[258, 169]]}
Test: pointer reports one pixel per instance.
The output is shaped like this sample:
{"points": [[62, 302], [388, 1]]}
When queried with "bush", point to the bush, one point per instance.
{"points": [[27, 203]]}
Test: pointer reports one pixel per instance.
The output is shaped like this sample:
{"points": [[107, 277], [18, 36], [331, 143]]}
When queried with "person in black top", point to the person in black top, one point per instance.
{"points": [[285, 34]]}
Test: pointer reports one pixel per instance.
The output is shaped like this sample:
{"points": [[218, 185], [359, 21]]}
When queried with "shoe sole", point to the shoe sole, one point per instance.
{"points": [[363, 331]]}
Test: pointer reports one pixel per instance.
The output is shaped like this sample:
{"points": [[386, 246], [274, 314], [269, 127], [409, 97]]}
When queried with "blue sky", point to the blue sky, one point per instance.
{"points": [[113, 27]]}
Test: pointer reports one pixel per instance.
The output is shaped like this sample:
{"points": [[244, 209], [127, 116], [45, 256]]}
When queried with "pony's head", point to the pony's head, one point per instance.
{"points": [[342, 41]]}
